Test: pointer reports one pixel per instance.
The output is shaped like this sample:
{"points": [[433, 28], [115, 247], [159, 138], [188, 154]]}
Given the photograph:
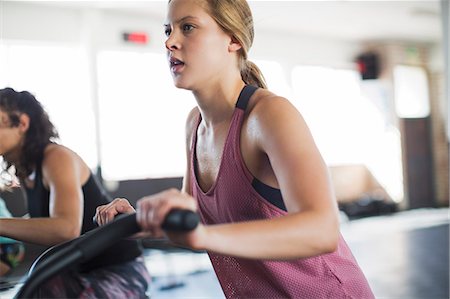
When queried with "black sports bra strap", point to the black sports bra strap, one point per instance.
{"points": [[244, 96]]}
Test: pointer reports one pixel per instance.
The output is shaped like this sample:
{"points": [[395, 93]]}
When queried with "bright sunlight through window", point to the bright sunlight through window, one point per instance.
{"points": [[142, 118], [56, 76], [347, 127]]}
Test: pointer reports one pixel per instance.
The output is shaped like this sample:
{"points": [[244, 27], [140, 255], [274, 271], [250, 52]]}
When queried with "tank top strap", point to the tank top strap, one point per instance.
{"points": [[245, 96], [242, 103], [233, 140]]}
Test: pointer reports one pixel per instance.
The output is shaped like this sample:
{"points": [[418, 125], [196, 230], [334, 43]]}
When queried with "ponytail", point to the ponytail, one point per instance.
{"points": [[252, 75]]}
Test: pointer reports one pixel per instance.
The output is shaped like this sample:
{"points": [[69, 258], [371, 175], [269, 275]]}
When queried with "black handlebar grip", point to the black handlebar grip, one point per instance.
{"points": [[180, 220], [176, 220]]}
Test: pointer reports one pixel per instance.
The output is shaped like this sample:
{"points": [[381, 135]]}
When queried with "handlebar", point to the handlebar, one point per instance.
{"points": [[95, 241]]}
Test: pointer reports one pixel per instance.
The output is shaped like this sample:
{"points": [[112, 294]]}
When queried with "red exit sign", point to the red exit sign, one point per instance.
{"points": [[136, 37]]}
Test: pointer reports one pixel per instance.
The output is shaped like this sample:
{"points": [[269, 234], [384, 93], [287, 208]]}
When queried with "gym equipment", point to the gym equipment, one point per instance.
{"points": [[90, 244]]}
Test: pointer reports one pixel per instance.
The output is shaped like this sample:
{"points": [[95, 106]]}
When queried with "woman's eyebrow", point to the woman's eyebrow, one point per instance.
{"points": [[181, 20]]}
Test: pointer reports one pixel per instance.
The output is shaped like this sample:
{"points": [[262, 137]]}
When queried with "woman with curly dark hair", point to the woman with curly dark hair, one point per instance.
{"points": [[62, 195]]}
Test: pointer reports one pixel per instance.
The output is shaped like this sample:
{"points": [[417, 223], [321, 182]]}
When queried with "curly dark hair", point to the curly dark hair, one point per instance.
{"points": [[40, 133]]}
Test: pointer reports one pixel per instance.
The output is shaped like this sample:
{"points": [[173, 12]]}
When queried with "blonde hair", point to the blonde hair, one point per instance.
{"points": [[235, 18]]}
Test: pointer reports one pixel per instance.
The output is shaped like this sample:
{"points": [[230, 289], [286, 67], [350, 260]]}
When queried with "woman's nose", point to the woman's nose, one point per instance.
{"points": [[172, 42]]}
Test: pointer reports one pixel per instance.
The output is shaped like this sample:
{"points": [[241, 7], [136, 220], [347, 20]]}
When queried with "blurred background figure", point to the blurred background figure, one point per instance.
{"points": [[62, 195]]}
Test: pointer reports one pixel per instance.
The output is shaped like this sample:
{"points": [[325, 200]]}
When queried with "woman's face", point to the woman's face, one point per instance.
{"points": [[10, 136], [198, 49]]}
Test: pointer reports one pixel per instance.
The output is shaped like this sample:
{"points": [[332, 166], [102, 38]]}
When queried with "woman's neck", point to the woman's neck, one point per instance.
{"points": [[217, 102]]}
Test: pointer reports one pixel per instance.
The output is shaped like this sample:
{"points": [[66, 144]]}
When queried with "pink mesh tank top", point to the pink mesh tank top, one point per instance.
{"points": [[232, 199]]}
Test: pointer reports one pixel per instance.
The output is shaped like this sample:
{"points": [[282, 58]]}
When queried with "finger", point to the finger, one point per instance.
{"points": [[114, 208], [175, 199], [110, 214], [161, 213], [150, 216], [143, 208], [101, 215], [96, 216], [152, 210], [123, 206]]}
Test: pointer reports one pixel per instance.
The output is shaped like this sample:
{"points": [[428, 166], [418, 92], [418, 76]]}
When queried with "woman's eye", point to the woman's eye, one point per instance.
{"points": [[167, 32], [187, 27]]}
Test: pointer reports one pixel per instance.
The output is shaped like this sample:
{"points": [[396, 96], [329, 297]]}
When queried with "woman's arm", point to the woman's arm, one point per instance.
{"points": [[62, 172]]}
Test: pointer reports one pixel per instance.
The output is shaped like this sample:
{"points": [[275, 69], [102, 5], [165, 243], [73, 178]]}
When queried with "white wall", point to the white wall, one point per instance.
{"points": [[305, 50], [28, 21], [31, 22]]}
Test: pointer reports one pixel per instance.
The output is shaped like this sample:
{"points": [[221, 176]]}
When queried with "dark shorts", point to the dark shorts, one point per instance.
{"points": [[126, 280]]}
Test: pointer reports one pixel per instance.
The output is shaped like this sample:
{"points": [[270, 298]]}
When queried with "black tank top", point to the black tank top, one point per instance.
{"points": [[94, 195]]}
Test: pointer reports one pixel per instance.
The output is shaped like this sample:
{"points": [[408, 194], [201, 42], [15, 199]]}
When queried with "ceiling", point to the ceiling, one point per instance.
{"points": [[404, 20]]}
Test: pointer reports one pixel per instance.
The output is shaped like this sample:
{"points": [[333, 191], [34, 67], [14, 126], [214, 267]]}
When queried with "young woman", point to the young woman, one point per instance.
{"points": [[270, 221], [62, 195]]}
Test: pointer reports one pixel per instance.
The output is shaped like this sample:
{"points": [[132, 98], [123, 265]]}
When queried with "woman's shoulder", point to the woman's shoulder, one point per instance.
{"points": [[54, 151], [266, 104], [62, 162], [57, 154], [192, 120]]}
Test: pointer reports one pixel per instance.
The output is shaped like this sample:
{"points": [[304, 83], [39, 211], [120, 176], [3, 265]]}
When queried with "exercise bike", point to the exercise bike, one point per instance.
{"points": [[92, 243]]}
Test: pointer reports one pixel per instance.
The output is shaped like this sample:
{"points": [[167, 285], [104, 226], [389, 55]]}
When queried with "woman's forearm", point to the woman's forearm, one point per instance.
{"points": [[42, 231], [298, 235]]}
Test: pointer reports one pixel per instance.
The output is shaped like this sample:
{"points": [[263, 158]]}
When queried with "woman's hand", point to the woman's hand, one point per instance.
{"points": [[152, 210], [106, 213]]}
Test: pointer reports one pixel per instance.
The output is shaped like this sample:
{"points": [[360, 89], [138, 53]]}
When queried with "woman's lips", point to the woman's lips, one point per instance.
{"points": [[176, 65]]}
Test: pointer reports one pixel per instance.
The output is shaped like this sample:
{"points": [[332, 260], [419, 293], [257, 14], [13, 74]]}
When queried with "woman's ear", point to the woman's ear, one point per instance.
{"points": [[234, 45], [24, 122]]}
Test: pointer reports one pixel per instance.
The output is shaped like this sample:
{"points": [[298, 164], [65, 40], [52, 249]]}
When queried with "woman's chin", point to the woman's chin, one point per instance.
{"points": [[180, 84]]}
